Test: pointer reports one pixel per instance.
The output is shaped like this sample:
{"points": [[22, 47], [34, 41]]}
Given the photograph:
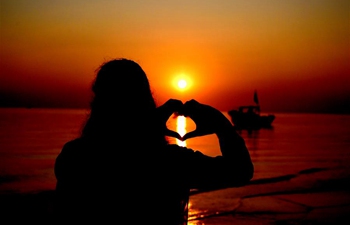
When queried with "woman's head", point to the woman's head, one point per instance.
{"points": [[122, 83], [122, 100]]}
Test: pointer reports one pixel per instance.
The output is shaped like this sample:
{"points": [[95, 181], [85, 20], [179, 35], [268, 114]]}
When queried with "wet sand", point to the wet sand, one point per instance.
{"points": [[313, 196]]}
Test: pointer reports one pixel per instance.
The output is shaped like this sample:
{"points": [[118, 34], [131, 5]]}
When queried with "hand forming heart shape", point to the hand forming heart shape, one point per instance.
{"points": [[207, 119], [177, 134]]}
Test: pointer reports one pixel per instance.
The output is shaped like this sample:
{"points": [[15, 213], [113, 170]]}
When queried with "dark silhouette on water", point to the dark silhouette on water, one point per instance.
{"points": [[248, 117], [122, 168]]}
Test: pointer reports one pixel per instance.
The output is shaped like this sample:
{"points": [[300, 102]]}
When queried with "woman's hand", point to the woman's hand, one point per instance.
{"points": [[165, 111], [208, 120]]}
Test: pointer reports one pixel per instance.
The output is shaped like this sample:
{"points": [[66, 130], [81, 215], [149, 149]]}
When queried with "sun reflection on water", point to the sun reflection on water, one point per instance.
{"points": [[181, 129]]}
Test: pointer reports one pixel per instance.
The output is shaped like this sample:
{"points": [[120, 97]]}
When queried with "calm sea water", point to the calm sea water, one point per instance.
{"points": [[30, 140]]}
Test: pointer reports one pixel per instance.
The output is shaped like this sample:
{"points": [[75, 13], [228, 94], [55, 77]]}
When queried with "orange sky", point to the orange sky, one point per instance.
{"points": [[296, 53]]}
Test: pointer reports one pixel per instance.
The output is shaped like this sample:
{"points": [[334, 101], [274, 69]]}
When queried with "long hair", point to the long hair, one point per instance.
{"points": [[123, 104]]}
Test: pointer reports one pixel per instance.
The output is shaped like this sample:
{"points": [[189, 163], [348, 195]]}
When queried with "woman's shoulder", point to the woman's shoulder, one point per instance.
{"points": [[73, 143], [73, 146]]}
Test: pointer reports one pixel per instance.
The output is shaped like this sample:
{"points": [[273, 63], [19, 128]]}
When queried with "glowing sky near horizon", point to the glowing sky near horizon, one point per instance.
{"points": [[295, 53]]}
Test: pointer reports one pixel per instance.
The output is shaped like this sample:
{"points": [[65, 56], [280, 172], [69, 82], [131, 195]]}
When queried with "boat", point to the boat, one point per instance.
{"points": [[249, 116]]}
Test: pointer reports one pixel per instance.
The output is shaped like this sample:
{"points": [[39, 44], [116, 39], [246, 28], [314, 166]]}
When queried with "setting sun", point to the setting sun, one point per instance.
{"points": [[182, 84]]}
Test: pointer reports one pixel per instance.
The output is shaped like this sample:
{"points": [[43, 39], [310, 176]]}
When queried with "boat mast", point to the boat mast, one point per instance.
{"points": [[256, 100]]}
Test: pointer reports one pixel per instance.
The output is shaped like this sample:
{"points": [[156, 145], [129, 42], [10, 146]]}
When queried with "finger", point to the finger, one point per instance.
{"points": [[166, 110], [192, 101], [189, 107], [173, 105], [171, 133], [191, 134]]}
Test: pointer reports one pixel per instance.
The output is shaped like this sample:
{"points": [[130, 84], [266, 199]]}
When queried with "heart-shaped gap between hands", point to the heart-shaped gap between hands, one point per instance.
{"points": [[182, 131], [207, 119]]}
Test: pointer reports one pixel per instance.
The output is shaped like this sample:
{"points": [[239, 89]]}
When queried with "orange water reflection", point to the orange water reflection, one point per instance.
{"points": [[181, 129]]}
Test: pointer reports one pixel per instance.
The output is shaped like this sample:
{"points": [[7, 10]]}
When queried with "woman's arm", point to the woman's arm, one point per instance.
{"points": [[234, 167], [236, 154]]}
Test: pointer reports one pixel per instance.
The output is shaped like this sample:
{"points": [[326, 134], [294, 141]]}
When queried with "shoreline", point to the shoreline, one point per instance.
{"points": [[312, 196]]}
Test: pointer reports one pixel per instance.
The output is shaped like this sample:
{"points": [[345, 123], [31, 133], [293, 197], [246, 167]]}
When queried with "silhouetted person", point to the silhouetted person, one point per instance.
{"points": [[121, 170]]}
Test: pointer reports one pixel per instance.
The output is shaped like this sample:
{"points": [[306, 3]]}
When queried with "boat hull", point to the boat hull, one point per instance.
{"points": [[250, 121]]}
